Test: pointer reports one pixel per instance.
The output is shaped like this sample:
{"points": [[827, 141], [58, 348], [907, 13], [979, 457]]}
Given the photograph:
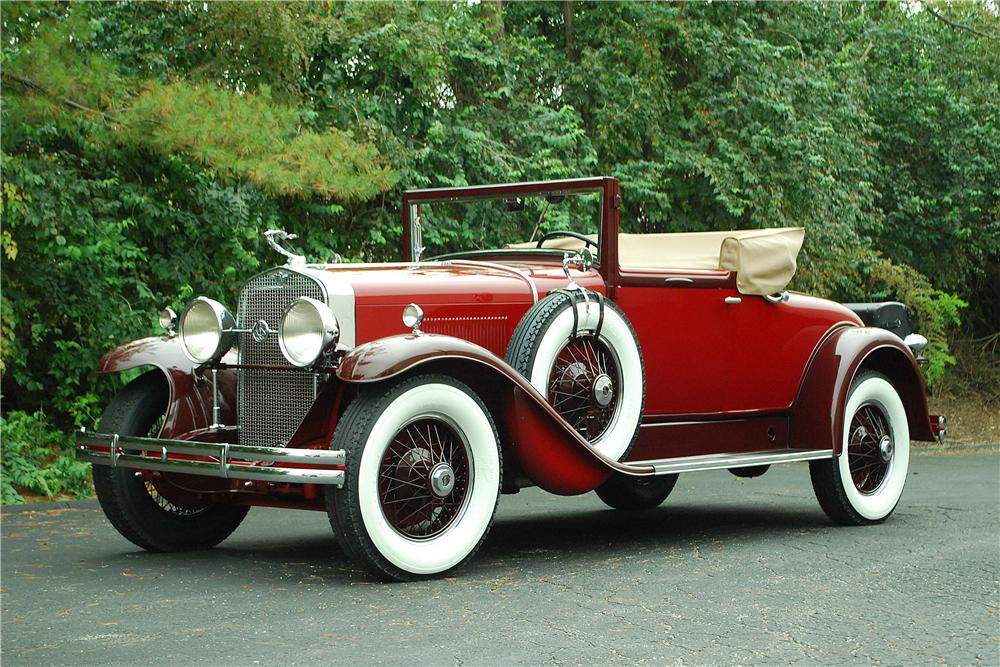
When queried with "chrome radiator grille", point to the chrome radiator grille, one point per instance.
{"points": [[272, 402]]}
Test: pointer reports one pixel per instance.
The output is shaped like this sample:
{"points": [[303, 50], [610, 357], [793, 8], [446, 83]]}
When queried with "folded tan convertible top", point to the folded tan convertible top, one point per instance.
{"points": [[764, 260]]}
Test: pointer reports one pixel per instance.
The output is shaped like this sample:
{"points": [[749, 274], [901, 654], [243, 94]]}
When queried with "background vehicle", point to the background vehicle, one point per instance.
{"points": [[404, 398]]}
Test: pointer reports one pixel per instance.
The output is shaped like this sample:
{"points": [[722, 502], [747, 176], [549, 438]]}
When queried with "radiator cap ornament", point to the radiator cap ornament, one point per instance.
{"points": [[275, 235]]}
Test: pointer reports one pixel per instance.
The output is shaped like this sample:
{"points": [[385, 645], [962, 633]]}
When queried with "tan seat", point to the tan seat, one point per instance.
{"points": [[764, 259]]}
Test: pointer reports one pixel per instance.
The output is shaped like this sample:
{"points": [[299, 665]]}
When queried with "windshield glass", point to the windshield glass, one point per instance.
{"points": [[514, 221]]}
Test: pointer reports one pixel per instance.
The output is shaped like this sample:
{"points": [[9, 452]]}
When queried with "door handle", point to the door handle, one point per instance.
{"points": [[679, 280], [733, 300]]}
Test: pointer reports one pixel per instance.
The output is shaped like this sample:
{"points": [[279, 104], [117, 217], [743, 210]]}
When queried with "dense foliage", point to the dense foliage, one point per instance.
{"points": [[146, 146]]}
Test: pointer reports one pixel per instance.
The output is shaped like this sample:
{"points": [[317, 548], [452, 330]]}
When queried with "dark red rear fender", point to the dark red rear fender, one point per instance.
{"points": [[190, 404], [818, 413], [545, 447]]}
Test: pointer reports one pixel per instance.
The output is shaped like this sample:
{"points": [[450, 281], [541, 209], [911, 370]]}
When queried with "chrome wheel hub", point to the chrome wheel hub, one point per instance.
{"points": [[604, 390], [442, 480], [885, 448]]}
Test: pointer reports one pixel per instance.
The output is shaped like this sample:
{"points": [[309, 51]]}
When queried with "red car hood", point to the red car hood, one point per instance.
{"points": [[435, 283]]}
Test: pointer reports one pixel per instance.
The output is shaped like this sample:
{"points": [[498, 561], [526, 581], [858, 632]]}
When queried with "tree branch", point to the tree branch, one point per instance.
{"points": [[954, 24], [34, 85], [802, 53]]}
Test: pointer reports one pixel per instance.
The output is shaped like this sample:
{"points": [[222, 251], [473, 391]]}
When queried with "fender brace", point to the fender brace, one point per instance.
{"points": [[578, 295]]}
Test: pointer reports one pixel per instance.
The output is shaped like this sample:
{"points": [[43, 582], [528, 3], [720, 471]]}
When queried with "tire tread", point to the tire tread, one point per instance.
{"points": [[131, 412]]}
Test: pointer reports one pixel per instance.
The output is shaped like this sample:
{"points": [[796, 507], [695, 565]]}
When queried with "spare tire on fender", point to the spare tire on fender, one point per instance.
{"points": [[579, 350]]}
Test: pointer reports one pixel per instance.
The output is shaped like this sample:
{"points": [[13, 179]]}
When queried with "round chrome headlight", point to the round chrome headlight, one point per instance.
{"points": [[206, 329], [308, 328]]}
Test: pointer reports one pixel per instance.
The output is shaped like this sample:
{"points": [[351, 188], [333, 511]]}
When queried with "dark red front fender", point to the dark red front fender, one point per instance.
{"points": [[190, 404], [818, 413], [548, 450]]}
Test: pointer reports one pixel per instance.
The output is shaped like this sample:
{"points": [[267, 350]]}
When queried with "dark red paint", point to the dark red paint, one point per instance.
{"points": [[190, 404]]}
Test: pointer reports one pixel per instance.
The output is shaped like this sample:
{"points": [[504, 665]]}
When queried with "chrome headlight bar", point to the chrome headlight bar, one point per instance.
{"points": [[308, 329]]}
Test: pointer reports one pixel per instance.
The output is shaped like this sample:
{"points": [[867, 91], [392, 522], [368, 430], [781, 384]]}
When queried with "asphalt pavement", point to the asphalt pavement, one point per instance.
{"points": [[727, 571]]}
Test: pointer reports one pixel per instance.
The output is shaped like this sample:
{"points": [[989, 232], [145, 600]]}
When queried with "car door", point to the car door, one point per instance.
{"points": [[686, 329]]}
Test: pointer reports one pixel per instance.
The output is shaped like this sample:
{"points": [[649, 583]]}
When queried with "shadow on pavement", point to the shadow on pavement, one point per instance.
{"points": [[573, 536]]}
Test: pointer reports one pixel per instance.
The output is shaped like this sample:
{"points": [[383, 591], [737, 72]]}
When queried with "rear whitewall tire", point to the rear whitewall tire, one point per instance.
{"points": [[833, 482], [367, 429]]}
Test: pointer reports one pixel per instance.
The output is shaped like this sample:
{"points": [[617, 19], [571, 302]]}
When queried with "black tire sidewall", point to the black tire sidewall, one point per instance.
{"points": [[624, 492], [123, 496]]}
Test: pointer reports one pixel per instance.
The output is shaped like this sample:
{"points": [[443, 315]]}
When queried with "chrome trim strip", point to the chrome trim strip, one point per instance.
{"points": [[723, 461], [233, 461], [500, 267]]}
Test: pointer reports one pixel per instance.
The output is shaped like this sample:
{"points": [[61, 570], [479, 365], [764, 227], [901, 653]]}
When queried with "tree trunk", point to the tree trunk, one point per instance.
{"points": [[570, 30], [493, 9]]}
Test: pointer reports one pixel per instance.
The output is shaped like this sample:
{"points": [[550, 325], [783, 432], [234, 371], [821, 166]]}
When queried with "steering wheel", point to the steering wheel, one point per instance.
{"points": [[562, 232]]}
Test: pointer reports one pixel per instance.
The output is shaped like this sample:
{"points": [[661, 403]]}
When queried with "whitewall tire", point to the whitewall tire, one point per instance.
{"points": [[595, 381], [422, 479], [864, 483]]}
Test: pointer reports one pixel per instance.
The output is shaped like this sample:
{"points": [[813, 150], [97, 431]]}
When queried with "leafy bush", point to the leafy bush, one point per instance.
{"points": [[937, 312], [38, 458]]}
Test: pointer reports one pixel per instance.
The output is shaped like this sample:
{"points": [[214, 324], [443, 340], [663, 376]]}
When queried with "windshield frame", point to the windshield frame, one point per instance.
{"points": [[604, 186]]}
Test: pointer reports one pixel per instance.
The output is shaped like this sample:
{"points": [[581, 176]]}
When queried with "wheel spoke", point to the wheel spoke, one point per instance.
{"points": [[868, 427], [571, 385], [405, 489]]}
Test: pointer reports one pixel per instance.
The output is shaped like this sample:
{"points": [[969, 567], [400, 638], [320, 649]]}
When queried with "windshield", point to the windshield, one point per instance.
{"points": [[557, 219]]}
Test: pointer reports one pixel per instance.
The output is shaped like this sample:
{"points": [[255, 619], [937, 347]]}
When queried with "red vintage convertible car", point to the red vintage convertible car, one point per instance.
{"points": [[404, 398]]}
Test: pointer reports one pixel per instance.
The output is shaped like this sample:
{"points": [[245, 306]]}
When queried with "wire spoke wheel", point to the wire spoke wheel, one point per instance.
{"points": [[166, 505], [869, 448], [583, 356], [424, 478], [133, 503], [584, 385], [863, 483]]}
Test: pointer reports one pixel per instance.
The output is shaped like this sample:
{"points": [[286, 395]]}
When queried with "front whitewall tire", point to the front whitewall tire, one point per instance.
{"points": [[366, 431], [451, 547]]}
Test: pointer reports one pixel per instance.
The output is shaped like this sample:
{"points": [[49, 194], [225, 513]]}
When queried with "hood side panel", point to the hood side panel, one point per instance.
{"points": [[480, 304]]}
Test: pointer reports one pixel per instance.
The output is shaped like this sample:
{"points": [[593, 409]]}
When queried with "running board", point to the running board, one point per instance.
{"points": [[723, 461]]}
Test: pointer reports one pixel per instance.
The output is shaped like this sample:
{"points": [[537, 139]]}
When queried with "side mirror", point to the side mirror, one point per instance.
{"points": [[582, 258], [515, 205]]}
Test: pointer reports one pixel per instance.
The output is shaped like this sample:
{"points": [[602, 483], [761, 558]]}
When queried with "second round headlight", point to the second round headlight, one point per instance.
{"points": [[308, 328]]}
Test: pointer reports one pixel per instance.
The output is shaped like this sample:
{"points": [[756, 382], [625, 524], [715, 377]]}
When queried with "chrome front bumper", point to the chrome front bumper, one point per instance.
{"points": [[230, 461]]}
